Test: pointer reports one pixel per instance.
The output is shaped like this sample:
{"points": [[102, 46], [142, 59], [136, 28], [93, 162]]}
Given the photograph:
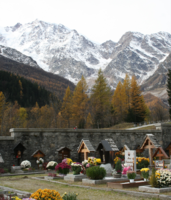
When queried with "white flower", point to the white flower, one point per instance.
{"points": [[25, 164], [51, 164], [40, 161]]}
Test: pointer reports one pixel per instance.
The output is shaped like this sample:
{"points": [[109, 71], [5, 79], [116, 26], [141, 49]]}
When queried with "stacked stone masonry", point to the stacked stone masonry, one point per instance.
{"points": [[49, 140]]}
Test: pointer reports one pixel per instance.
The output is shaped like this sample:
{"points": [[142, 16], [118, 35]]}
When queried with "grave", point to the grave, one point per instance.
{"points": [[148, 188], [106, 179], [126, 184], [16, 169], [74, 178]]}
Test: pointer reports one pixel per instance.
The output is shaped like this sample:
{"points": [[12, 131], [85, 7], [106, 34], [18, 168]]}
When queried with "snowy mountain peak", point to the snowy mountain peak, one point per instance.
{"points": [[63, 51]]}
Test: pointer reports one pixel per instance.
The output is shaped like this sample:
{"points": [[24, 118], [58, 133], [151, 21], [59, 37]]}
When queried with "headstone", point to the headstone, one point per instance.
{"points": [[108, 169], [16, 169], [130, 159]]}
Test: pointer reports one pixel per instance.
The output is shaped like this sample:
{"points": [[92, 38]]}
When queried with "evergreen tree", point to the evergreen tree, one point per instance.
{"points": [[138, 110], [80, 103], [2, 110], [101, 101], [127, 93], [66, 110]]}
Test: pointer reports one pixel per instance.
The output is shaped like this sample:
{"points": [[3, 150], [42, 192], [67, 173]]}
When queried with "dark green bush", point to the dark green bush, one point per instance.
{"points": [[96, 172], [118, 167]]}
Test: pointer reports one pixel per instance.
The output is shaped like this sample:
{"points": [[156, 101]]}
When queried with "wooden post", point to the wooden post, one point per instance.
{"points": [[151, 156]]}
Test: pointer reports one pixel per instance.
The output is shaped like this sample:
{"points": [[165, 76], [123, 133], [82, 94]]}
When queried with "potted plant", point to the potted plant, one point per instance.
{"points": [[62, 168], [25, 164], [51, 165], [125, 169], [131, 176], [118, 169], [145, 173], [76, 168]]}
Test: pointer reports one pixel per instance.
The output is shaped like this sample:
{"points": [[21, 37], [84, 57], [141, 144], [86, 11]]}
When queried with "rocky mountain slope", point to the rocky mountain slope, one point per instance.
{"points": [[67, 53], [156, 84], [17, 56]]}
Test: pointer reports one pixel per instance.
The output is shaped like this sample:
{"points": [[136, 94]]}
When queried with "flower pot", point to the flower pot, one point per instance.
{"points": [[131, 180], [117, 175]]}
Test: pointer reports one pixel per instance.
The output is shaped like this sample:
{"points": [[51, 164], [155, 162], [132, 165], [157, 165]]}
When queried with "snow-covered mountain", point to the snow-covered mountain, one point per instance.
{"points": [[17, 56], [65, 52]]}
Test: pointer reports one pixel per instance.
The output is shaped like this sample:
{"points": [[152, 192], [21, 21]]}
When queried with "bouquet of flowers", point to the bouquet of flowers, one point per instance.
{"points": [[84, 163], [125, 169], [51, 165], [68, 161], [76, 167], [142, 162], [46, 194], [92, 161], [163, 177], [25, 164], [131, 174], [40, 161], [62, 168], [145, 172]]}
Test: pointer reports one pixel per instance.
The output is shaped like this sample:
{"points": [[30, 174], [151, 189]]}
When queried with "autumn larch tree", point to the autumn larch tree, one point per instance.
{"points": [[101, 101], [79, 103]]}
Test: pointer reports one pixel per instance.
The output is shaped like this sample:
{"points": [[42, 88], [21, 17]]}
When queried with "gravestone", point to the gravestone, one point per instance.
{"points": [[108, 169], [130, 159], [16, 169]]}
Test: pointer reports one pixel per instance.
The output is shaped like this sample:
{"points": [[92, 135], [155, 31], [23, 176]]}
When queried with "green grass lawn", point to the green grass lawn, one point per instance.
{"points": [[26, 183]]}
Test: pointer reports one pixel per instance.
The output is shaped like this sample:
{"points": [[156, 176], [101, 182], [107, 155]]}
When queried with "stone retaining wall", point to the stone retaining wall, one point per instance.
{"points": [[49, 140]]}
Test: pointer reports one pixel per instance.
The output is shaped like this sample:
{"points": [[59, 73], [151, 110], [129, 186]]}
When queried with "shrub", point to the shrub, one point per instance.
{"points": [[153, 179], [76, 167], [118, 167], [62, 168], [131, 174], [69, 196], [46, 194], [96, 172], [163, 177]]}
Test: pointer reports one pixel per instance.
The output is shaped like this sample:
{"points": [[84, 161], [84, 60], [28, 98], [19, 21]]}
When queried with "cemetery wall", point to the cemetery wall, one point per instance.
{"points": [[49, 140]]}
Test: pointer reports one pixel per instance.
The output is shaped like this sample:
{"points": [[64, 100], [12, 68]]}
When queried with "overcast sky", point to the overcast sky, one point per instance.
{"points": [[99, 20]]}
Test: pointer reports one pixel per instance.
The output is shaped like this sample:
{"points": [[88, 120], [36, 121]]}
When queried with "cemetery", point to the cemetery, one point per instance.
{"points": [[117, 159]]}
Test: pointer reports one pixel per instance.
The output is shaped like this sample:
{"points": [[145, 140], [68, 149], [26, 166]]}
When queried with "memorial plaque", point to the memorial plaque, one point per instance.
{"points": [[130, 159]]}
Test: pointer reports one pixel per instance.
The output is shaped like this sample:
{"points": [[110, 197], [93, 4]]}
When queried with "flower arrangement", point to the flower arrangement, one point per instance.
{"points": [[76, 167], [69, 196], [119, 155], [51, 165], [40, 161], [84, 163], [142, 162], [68, 161], [163, 177], [118, 167], [62, 168], [131, 174], [25, 164], [46, 194], [145, 172], [92, 161], [125, 169]]}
